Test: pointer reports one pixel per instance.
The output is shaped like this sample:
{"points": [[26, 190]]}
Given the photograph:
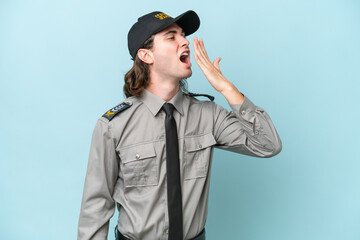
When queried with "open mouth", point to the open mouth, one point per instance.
{"points": [[185, 58]]}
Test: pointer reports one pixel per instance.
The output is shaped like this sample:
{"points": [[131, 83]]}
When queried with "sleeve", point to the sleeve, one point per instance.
{"points": [[247, 129], [98, 206]]}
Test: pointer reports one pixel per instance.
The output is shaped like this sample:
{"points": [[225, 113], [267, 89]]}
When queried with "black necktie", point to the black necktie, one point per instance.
{"points": [[173, 176]]}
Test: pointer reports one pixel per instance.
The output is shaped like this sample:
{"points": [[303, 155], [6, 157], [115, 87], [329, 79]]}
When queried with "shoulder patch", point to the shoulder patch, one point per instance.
{"points": [[201, 95], [115, 110]]}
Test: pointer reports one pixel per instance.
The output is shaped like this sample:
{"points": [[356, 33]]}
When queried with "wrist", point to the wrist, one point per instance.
{"points": [[229, 89], [233, 95]]}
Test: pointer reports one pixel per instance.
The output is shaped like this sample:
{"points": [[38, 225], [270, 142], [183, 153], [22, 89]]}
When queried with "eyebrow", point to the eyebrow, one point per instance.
{"points": [[174, 32]]}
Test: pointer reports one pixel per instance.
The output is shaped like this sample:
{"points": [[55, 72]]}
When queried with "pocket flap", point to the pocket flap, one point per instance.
{"points": [[138, 152], [196, 143]]}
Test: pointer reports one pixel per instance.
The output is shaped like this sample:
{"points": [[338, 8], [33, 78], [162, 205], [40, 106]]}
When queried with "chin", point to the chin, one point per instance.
{"points": [[184, 74], [188, 74]]}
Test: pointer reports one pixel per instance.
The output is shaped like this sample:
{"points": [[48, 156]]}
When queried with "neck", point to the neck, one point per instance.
{"points": [[163, 88]]}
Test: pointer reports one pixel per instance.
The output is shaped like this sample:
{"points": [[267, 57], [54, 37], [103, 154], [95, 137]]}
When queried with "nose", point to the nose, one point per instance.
{"points": [[184, 42]]}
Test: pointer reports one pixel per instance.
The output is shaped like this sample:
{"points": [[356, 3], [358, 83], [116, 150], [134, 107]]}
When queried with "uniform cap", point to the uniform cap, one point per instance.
{"points": [[155, 22]]}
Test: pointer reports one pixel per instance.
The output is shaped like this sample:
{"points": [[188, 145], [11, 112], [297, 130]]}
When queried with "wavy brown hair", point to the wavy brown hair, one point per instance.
{"points": [[138, 77]]}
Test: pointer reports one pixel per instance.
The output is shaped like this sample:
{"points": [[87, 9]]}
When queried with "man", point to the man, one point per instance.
{"points": [[151, 155]]}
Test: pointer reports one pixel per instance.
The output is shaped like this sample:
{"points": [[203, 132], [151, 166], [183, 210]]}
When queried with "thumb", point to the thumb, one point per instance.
{"points": [[216, 63]]}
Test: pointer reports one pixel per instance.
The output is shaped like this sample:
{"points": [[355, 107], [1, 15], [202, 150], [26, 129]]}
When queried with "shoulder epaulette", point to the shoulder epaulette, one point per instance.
{"points": [[115, 110], [201, 95]]}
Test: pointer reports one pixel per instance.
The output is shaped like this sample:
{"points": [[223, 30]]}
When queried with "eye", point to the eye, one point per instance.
{"points": [[171, 38]]}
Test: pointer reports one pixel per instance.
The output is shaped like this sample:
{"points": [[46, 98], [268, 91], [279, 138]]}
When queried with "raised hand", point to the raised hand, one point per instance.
{"points": [[214, 75], [210, 69]]}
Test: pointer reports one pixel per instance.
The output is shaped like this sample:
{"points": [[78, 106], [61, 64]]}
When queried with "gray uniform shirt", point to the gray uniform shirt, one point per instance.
{"points": [[127, 163]]}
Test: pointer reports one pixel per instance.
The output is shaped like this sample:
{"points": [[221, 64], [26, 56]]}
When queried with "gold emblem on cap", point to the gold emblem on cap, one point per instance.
{"points": [[161, 16]]}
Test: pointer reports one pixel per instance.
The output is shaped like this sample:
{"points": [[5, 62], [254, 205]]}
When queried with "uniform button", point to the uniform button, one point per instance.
{"points": [[200, 146], [137, 156], [256, 132], [243, 112]]}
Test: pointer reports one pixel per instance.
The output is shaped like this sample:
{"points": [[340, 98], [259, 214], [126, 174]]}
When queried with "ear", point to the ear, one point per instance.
{"points": [[145, 55]]}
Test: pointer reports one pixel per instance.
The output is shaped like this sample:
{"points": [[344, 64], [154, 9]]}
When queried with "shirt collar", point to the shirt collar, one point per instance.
{"points": [[155, 103], [177, 101]]}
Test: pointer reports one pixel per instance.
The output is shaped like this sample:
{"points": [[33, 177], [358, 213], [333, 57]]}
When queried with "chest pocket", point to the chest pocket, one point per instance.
{"points": [[198, 151], [139, 165]]}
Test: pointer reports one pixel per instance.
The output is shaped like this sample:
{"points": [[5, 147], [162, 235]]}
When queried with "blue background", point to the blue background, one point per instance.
{"points": [[62, 65]]}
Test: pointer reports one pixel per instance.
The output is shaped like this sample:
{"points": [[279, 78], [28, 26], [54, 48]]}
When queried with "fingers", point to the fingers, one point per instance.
{"points": [[200, 50], [196, 53], [210, 69], [202, 58]]}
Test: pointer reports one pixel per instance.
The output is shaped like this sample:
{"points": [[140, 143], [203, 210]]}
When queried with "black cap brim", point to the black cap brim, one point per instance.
{"points": [[188, 21]]}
